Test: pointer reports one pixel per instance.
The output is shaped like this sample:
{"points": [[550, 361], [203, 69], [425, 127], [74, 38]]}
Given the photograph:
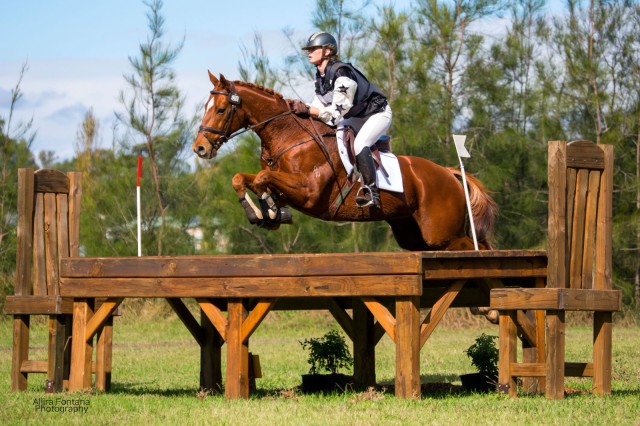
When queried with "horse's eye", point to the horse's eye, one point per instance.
{"points": [[220, 110]]}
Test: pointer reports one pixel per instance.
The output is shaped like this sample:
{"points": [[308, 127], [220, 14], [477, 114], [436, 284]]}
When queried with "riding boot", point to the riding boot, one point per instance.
{"points": [[367, 195]]}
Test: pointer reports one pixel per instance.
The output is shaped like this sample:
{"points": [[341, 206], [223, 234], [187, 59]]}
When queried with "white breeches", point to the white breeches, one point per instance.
{"points": [[368, 131]]}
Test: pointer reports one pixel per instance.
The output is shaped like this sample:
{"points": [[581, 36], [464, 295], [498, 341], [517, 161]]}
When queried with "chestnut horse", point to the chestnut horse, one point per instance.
{"points": [[301, 168]]}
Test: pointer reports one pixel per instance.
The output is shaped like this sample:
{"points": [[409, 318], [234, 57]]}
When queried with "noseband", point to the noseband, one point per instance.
{"points": [[234, 101]]}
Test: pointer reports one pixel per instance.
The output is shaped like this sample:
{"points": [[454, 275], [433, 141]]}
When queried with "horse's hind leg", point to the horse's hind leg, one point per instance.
{"points": [[407, 233]]}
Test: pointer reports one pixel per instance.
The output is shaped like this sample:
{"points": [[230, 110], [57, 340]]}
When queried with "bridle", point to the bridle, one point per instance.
{"points": [[235, 101]]}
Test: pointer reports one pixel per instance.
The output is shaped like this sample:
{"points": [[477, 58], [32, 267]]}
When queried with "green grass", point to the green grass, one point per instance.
{"points": [[156, 367]]}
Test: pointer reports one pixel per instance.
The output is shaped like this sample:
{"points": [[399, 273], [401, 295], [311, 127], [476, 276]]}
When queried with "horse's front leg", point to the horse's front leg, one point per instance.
{"points": [[240, 182], [300, 189]]}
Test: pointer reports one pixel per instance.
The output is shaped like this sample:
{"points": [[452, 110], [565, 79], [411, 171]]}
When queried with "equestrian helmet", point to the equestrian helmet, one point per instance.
{"points": [[321, 39]]}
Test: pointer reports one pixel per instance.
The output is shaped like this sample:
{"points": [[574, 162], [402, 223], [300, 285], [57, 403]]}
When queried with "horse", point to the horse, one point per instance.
{"points": [[301, 168]]}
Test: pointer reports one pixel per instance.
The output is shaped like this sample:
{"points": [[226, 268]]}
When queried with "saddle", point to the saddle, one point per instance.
{"points": [[382, 145]]}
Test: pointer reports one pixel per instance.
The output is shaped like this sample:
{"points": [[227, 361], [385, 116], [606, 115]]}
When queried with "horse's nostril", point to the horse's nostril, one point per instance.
{"points": [[201, 150]]}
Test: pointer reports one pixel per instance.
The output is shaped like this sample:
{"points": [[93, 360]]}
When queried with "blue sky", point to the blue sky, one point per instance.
{"points": [[77, 52]]}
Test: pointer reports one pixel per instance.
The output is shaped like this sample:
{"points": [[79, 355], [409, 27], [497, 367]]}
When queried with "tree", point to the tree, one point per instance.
{"points": [[155, 123]]}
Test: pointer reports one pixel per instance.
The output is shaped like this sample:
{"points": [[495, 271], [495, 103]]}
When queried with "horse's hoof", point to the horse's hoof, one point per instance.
{"points": [[286, 216], [268, 224]]}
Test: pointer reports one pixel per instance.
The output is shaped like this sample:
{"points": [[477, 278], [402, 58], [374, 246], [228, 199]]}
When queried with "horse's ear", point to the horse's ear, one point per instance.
{"points": [[213, 78], [223, 81]]}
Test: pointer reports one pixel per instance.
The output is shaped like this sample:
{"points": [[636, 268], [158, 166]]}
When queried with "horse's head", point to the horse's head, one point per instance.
{"points": [[222, 117]]}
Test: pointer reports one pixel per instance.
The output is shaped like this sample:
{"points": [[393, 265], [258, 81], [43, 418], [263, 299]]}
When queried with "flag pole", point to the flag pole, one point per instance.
{"points": [[138, 206], [462, 152]]}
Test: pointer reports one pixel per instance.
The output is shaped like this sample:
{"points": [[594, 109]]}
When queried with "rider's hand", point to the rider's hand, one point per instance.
{"points": [[300, 108]]}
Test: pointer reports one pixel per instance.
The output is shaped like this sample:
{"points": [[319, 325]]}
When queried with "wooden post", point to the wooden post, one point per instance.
{"points": [[602, 352], [81, 349], [20, 351], [55, 368], [237, 383], [508, 352], [408, 347], [555, 354], [104, 355], [210, 356], [364, 346]]}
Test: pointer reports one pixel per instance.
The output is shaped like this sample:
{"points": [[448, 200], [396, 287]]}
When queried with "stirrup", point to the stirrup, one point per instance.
{"points": [[367, 197]]}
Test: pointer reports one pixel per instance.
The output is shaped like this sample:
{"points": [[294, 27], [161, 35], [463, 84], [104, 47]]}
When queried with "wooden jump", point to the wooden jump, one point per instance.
{"points": [[369, 294], [247, 287]]}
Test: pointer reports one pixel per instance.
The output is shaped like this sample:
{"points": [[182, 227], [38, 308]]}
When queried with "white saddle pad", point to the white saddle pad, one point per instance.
{"points": [[390, 162]]}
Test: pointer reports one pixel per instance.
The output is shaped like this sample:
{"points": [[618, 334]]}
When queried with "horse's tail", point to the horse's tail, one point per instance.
{"points": [[483, 207]]}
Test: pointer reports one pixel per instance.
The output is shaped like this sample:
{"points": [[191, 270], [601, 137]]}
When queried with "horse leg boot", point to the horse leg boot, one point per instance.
{"points": [[367, 195]]}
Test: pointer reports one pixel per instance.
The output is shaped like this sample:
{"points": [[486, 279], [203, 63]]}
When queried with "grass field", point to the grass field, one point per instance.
{"points": [[156, 368]]}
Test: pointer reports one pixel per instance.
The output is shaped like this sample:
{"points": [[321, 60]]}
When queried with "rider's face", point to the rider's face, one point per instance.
{"points": [[315, 56]]}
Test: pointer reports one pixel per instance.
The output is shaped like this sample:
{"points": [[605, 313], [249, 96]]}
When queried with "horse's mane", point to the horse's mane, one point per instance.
{"points": [[259, 87]]}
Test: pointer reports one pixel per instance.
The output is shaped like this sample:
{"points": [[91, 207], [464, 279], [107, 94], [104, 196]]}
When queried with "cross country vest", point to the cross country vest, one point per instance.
{"points": [[368, 99]]}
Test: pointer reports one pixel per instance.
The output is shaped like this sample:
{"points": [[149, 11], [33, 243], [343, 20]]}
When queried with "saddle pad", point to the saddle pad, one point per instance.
{"points": [[390, 162]]}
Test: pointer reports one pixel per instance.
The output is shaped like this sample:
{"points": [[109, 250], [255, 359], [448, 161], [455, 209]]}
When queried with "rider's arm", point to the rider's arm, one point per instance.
{"points": [[344, 91]]}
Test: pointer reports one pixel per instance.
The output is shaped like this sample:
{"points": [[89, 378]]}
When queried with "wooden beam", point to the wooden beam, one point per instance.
{"points": [[187, 319], [49, 180], [261, 287], [38, 305], [104, 312], [24, 232], [255, 317], [34, 366], [438, 310], [104, 343], [382, 314], [215, 316], [556, 299], [254, 265], [341, 316]]}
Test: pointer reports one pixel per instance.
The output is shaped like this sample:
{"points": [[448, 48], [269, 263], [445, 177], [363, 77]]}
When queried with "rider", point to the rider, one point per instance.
{"points": [[344, 96]]}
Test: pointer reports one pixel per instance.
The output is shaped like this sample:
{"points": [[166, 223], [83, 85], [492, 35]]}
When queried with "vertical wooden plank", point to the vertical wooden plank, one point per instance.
{"points": [[210, 356], [39, 256], [602, 352], [364, 346], [81, 349], [20, 351], [63, 226], [75, 197], [68, 329], [507, 352], [604, 238], [530, 355], [104, 362], [408, 347], [541, 346], [570, 194], [55, 361], [51, 243], [557, 214], [588, 256], [578, 229], [24, 232], [555, 354], [237, 383]]}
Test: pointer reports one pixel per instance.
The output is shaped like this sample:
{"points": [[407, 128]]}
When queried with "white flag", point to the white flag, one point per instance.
{"points": [[459, 142]]}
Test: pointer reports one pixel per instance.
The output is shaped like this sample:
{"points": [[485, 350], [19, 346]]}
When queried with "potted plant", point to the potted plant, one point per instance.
{"points": [[328, 353], [484, 356]]}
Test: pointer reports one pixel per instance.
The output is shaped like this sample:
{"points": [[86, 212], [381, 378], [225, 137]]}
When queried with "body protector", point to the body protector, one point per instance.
{"points": [[344, 92]]}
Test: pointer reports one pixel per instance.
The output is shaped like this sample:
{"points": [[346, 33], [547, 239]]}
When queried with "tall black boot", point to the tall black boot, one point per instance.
{"points": [[368, 195]]}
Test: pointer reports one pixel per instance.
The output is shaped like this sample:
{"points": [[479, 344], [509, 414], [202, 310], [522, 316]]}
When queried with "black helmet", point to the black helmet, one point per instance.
{"points": [[322, 39]]}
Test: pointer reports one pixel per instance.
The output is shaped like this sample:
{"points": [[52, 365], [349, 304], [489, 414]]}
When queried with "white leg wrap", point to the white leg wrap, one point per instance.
{"points": [[253, 206]]}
